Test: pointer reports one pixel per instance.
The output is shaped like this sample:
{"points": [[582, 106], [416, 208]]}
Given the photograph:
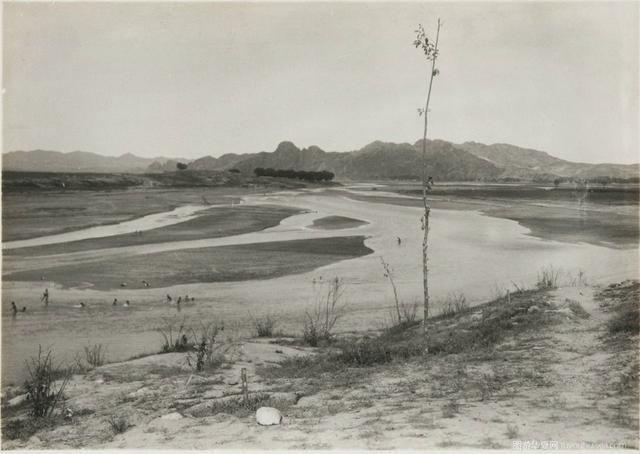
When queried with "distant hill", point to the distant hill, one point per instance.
{"points": [[445, 161], [378, 160], [77, 161], [529, 164]]}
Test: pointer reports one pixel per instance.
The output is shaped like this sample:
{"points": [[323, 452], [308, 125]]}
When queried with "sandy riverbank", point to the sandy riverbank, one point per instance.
{"points": [[554, 374]]}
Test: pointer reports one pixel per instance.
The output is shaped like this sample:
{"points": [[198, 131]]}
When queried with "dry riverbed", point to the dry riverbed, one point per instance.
{"points": [[556, 365]]}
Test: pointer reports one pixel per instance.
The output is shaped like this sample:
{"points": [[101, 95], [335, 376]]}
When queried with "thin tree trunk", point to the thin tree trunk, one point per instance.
{"points": [[427, 208]]}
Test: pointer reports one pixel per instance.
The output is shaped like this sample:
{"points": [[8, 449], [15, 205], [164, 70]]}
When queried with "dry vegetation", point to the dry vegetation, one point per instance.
{"points": [[511, 369]]}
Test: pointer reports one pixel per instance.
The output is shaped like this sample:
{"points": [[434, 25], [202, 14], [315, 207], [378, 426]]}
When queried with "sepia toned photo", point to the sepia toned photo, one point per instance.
{"points": [[320, 225]]}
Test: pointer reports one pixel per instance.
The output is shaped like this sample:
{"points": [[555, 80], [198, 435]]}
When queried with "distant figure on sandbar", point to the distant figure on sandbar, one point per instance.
{"points": [[45, 297], [14, 308], [399, 241], [179, 300], [126, 303], [24, 309], [115, 302], [81, 305], [169, 298], [145, 283]]}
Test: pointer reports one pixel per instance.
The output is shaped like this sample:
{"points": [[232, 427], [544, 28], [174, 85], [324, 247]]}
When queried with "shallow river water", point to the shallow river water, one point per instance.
{"points": [[470, 253]]}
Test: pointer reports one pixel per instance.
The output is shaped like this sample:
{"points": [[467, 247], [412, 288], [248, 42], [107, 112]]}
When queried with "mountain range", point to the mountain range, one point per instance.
{"points": [[81, 162], [445, 161]]}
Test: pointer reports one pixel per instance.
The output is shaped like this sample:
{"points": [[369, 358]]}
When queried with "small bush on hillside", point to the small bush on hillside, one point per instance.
{"points": [[174, 337], [206, 354], [321, 319], [118, 424], [95, 355], [456, 303], [265, 325], [548, 278], [626, 319], [239, 406], [43, 394]]}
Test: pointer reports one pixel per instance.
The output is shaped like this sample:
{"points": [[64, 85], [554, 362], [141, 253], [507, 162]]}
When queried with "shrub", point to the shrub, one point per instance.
{"points": [[378, 350], [265, 325], [43, 394], [626, 319], [548, 278], [174, 339], [240, 406], [119, 424], [206, 354], [456, 303], [405, 314], [23, 429], [323, 316], [95, 355]]}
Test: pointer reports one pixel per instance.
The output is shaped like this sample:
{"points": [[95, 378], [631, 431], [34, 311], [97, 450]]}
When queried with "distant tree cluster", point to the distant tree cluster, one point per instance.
{"points": [[307, 175], [181, 166]]}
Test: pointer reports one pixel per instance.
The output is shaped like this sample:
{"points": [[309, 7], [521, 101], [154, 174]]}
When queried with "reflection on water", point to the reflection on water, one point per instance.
{"points": [[469, 253]]}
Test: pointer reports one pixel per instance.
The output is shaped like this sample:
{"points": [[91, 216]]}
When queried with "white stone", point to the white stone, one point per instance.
{"points": [[268, 416]]}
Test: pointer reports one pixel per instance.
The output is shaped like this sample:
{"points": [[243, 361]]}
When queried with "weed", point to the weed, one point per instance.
{"points": [[322, 318], [548, 278], [119, 424], [450, 409], [240, 406], [23, 429], [626, 319], [42, 393], [580, 280], [265, 325], [456, 303], [370, 351], [512, 431], [95, 355], [175, 338], [206, 355], [404, 314]]}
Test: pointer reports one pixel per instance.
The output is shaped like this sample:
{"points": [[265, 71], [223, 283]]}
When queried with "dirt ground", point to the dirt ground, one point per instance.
{"points": [[565, 383]]}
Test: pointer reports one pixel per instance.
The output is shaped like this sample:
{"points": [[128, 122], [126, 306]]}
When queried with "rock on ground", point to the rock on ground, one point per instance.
{"points": [[268, 416]]}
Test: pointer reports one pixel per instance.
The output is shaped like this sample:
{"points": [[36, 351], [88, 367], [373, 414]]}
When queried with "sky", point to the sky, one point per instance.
{"points": [[195, 79]]}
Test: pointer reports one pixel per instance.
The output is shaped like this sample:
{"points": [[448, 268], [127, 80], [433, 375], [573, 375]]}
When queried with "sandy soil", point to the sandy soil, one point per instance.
{"points": [[554, 385]]}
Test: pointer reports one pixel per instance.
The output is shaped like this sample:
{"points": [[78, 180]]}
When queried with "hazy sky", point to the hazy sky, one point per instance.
{"points": [[196, 79]]}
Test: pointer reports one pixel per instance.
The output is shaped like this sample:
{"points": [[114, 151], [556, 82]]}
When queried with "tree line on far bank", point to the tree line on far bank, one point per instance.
{"points": [[307, 175]]}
